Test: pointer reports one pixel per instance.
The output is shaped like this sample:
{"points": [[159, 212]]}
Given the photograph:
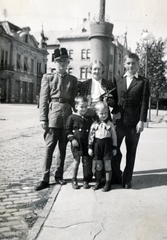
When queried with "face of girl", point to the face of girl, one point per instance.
{"points": [[102, 113], [97, 71], [81, 108]]}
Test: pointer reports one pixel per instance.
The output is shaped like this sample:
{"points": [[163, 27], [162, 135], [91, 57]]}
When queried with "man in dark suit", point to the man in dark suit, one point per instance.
{"points": [[57, 94], [130, 113]]}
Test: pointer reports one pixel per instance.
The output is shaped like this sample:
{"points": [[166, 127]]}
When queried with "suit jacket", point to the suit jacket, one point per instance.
{"points": [[84, 88], [54, 87], [132, 103]]}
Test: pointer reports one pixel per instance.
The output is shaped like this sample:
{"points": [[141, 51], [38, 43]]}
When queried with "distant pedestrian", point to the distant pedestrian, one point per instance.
{"points": [[130, 113], [78, 126], [58, 91], [102, 146]]}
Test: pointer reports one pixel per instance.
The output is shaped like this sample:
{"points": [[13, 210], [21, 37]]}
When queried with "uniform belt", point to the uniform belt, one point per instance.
{"points": [[60, 100]]}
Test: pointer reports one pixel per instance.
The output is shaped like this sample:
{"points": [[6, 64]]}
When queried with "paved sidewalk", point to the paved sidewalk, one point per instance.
{"points": [[136, 214]]}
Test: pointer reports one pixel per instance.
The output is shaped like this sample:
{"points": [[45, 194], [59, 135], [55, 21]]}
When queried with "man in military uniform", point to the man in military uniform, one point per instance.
{"points": [[57, 94]]}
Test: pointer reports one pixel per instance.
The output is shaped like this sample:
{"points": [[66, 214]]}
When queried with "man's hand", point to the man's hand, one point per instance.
{"points": [[74, 143], [140, 127], [44, 125], [90, 152]]}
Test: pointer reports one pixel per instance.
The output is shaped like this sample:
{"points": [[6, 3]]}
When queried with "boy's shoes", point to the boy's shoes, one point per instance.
{"points": [[97, 186], [127, 185], [106, 187], [75, 184], [42, 185], [86, 185], [60, 181]]}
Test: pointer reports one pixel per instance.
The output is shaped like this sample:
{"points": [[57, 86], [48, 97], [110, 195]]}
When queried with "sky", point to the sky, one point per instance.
{"points": [[132, 16]]}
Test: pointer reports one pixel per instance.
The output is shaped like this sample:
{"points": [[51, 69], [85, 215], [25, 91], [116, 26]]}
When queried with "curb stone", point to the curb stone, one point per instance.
{"points": [[35, 230]]}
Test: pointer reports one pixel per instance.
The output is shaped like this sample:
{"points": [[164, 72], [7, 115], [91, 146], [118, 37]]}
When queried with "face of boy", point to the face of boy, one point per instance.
{"points": [[81, 108], [131, 65], [102, 113], [61, 65], [97, 71]]}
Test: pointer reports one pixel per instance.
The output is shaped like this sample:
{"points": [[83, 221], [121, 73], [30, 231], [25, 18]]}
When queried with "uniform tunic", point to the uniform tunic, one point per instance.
{"points": [[56, 98]]}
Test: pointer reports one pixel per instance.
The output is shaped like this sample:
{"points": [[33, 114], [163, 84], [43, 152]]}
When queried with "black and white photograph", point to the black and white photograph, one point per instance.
{"points": [[83, 120]]}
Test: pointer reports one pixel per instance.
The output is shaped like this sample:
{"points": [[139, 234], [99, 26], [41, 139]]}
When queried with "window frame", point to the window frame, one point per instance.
{"points": [[83, 54], [19, 65]]}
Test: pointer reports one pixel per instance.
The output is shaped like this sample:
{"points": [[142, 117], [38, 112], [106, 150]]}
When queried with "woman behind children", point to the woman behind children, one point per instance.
{"points": [[78, 126], [102, 145], [96, 87], [95, 90]]}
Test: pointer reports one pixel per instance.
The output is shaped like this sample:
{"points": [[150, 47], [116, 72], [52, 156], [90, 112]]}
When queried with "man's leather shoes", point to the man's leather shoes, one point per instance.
{"points": [[60, 181], [42, 185], [127, 185]]}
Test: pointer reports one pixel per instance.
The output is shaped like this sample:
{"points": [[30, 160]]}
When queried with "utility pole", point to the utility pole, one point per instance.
{"points": [[102, 11]]}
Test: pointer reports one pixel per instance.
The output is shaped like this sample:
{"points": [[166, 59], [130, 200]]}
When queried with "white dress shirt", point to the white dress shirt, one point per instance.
{"points": [[129, 78]]}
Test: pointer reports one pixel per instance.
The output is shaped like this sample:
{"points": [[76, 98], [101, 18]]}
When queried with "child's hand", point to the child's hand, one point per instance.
{"points": [[90, 152], [74, 143], [114, 152]]}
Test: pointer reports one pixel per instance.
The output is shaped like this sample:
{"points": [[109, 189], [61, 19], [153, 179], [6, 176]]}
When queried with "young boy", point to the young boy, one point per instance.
{"points": [[130, 113], [102, 144], [58, 91], [78, 126]]}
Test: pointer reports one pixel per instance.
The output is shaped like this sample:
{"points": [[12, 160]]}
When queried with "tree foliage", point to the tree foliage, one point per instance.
{"points": [[152, 59]]}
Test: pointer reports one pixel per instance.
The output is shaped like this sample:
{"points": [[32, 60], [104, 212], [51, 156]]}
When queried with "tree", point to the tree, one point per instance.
{"points": [[153, 66]]}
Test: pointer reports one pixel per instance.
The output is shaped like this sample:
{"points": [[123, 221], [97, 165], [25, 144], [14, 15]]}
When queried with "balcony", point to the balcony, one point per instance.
{"points": [[8, 67]]}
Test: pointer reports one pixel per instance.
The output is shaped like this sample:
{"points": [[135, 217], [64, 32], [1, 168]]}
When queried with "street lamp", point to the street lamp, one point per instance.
{"points": [[147, 43]]}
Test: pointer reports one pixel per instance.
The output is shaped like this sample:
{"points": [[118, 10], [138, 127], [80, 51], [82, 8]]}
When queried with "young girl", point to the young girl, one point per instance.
{"points": [[102, 144], [78, 126]]}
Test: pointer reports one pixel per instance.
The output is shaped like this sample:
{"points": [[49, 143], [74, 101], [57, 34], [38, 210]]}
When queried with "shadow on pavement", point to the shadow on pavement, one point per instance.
{"points": [[149, 178]]}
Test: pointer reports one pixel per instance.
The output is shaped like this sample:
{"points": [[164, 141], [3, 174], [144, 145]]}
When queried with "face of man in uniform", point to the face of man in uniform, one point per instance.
{"points": [[97, 71], [61, 65], [131, 65]]}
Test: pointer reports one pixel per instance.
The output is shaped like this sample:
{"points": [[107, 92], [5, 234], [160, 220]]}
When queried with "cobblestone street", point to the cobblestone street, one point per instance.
{"points": [[21, 158]]}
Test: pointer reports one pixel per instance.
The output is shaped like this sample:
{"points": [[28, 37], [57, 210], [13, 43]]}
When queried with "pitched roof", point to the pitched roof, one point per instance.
{"points": [[9, 27], [81, 31]]}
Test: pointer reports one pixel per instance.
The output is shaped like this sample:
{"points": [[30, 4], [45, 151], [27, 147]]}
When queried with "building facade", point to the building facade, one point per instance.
{"points": [[23, 62], [78, 45]]}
